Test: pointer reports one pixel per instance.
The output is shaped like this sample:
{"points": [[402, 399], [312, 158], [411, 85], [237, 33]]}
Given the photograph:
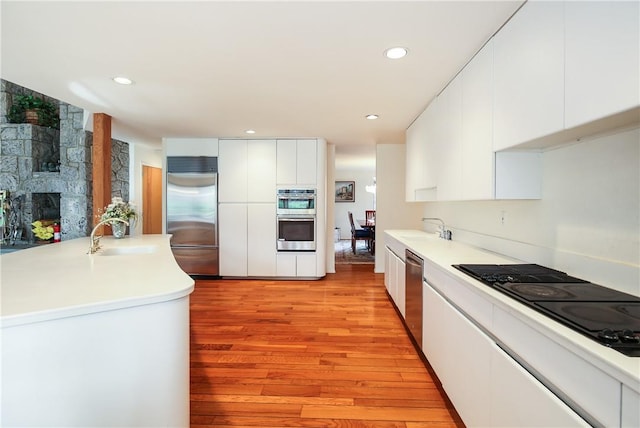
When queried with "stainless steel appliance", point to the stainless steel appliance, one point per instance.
{"points": [[192, 213], [607, 316], [296, 233], [296, 217], [413, 302], [296, 201]]}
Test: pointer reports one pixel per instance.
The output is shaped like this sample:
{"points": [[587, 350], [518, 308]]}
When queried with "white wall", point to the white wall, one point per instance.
{"points": [[139, 155], [586, 224]]}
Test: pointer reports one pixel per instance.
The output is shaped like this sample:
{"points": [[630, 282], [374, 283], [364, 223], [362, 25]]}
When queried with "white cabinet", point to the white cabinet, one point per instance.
{"points": [[299, 265], [602, 46], [247, 170], [261, 239], [233, 234], [486, 386], [261, 171], [433, 337], [461, 356], [247, 239], [421, 158], [247, 194], [561, 368], [630, 408], [467, 368], [297, 162], [529, 75], [395, 280], [513, 391], [449, 142], [232, 171], [477, 162], [190, 146]]}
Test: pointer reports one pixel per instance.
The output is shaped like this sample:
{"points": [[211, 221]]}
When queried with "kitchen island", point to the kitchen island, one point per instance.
{"points": [[95, 340], [500, 362]]}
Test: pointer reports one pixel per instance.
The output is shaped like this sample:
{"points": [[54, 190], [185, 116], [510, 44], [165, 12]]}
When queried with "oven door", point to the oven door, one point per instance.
{"points": [[296, 233]]}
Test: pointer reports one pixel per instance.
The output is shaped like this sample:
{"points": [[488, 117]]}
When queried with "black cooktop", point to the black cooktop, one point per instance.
{"points": [[608, 316]]}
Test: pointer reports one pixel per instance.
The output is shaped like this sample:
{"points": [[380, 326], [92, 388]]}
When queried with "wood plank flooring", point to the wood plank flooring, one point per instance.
{"points": [[327, 353]]}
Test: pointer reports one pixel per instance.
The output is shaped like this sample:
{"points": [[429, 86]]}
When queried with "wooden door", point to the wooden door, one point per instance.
{"points": [[151, 200]]}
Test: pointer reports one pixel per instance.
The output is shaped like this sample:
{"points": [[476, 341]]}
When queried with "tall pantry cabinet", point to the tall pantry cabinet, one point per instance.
{"points": [[247, 207]]}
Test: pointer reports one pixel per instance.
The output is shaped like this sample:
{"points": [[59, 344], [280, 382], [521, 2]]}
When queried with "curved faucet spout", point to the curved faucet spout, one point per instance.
{"points": [[94, 245], [442, 229]]}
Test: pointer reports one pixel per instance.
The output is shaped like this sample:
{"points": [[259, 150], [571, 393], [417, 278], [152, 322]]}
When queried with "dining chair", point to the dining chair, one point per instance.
{"points": [[370, 216], [357, 234]]}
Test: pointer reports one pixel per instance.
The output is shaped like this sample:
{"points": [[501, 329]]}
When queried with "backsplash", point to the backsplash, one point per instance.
{"points": [[587, 222]]}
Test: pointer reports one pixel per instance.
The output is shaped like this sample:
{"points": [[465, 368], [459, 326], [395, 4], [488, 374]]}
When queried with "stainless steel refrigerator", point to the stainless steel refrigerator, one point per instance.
{"points": [[192, 213]]}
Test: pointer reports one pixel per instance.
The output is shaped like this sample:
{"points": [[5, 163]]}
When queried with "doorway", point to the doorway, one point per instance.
{"points": [[151, 200]]}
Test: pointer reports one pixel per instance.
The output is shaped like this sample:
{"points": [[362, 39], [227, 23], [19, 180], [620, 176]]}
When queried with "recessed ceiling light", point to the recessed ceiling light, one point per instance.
{"points": [[123, 80], [371, 116], [249, 131], [396, 53]]}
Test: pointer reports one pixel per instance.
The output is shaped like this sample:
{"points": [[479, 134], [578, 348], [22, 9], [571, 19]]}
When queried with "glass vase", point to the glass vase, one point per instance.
{"points": [[118, 229]]}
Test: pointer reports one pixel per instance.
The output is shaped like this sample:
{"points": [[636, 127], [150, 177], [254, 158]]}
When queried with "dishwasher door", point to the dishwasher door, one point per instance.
{"points": [[413, 302]]}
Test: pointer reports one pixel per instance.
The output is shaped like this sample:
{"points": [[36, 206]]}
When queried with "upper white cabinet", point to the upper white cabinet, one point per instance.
{"points": [[247, 170], [449, 142], [477, 126], [420, 152], [529, 75], [232, 171], [297, 162], [261, 171], [190, 146], [602, 45]]}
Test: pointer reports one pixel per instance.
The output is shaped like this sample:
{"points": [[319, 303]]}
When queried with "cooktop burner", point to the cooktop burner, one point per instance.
{"points": [[608, 316], [527, 273], [584, 291]]}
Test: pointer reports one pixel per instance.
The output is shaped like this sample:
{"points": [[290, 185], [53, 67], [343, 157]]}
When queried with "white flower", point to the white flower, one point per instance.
{"points": [[119, 209]]}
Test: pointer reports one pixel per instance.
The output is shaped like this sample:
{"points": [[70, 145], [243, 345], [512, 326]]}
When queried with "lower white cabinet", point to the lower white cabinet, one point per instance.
{"points": [[486, 386], [395, 280], [247, 239], [520, 400], [296, 265], [630, 408], [461, 356], [261, 239], [233, 234]]}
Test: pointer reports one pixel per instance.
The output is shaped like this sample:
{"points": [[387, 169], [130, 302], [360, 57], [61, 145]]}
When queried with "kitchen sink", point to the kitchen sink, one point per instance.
{"points": [[123, 251]]}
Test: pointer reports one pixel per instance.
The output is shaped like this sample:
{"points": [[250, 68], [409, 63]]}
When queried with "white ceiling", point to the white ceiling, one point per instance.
{"points": [[213, 68]]}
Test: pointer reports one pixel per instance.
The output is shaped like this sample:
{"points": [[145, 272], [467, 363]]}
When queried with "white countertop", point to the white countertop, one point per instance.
{"points": [[61, 280], [446, 253]]}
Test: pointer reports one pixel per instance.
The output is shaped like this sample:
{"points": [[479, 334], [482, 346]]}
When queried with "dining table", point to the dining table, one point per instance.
{"points": [[370, 225]]}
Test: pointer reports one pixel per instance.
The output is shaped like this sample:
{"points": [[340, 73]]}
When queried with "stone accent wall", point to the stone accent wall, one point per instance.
{"points": [[120, 169], [24, 148]]}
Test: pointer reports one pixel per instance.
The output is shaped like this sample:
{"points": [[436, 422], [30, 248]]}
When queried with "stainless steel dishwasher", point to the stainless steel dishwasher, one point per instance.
{"points": [[413, 302]]}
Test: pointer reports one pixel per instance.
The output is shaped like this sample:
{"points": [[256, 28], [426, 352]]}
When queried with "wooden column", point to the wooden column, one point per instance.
{"points": [[101, 156]]}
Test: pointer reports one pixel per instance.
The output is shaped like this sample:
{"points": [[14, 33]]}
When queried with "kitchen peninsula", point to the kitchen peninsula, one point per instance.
{"points": [[99, 339]]}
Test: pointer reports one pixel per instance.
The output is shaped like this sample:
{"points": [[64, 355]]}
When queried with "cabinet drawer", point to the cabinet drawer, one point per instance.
{"points": [[476, 307], [591, 390]]}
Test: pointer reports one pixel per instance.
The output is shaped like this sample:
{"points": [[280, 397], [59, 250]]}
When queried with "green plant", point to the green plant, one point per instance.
{"points": [[47, 112]]}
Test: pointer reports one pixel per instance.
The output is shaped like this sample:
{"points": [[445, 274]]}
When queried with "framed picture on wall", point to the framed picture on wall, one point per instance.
{"points": [[345, 191]]}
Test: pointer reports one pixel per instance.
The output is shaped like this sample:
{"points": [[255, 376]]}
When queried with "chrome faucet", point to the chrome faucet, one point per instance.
{"points": [[442, 229], [95, 240]]}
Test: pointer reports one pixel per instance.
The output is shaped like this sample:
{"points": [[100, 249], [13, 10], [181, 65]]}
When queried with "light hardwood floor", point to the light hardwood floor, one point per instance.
{"points": [[327, 353]]}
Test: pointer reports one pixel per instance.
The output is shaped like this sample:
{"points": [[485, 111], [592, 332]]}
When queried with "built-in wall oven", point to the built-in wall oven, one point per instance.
{"points": [[296, 216]]}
